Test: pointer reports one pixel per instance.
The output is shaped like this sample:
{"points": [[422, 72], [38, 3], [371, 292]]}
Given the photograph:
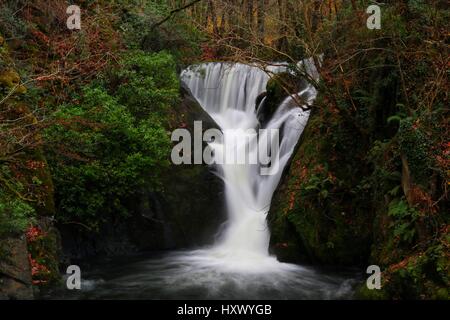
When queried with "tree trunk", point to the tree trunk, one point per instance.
{"points": [[282, 41], [261, 22], [250, 9], [211, 13]]}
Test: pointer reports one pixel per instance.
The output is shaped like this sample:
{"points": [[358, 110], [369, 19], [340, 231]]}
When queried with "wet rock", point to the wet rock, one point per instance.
{"points": [[278, 88], [318, 218], [194, 195]]}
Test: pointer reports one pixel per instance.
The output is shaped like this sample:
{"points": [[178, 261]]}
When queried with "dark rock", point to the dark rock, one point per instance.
{"points": [[278, 88], [193, 193], [111, 239]]}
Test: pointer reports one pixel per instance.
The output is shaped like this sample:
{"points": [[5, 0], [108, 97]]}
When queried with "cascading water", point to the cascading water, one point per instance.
{"points": [[228, 93], [238, 265]]}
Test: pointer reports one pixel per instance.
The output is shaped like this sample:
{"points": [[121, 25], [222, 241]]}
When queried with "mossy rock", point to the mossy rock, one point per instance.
{"points": [[282, 85], [307, 212], [278, 88], [10, 79], [193, 194], [364, 293]]}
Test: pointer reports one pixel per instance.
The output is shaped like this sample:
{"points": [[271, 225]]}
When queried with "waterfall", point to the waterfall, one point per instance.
{"points": [[238, 265], [228, 92]]}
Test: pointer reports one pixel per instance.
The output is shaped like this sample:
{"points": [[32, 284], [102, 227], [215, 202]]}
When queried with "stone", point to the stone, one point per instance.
{"points": [[15, 271]]}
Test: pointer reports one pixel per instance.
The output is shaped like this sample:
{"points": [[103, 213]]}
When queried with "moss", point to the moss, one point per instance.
{"points": [[364, 293], [278, 88], [442, 294], [416, 145], [10, 79], [329, 227], [422, 272]]}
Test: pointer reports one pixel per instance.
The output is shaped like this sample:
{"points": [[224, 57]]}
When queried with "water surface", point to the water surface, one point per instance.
{"points": [[204, 274]]}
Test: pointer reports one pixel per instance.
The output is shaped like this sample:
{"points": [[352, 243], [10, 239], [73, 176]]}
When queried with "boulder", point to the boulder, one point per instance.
{"points": [[15, 272], [278, 88], [194, 195]]}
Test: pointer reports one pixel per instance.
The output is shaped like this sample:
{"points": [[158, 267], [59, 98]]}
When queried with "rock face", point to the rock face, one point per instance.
{"points": [[313, 215], [346, 198], [186, 212], [15, 273], [193, 193], [277, 89]]}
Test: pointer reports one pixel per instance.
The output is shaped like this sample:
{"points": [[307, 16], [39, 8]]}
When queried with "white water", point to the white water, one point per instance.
{"points": [[228, 93]]}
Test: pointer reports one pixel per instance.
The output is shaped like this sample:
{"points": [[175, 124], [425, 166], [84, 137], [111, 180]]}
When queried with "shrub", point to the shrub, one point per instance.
{"points": [[15, 215], [146, 83], [104, 155]]}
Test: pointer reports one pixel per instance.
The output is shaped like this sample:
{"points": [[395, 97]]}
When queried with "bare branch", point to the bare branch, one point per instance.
{"points": [[172, 12]]}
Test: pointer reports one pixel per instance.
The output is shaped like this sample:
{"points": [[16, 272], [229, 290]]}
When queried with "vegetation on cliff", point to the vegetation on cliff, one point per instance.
{"points": [[85, 118], [368, 183]]}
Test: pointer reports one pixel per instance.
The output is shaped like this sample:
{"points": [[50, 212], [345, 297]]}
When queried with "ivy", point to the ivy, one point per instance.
{"points": [[404, 218], [415, 144]]}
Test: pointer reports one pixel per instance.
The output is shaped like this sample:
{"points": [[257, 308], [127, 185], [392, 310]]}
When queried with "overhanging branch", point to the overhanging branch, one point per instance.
{"points": [[174, 11]]}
